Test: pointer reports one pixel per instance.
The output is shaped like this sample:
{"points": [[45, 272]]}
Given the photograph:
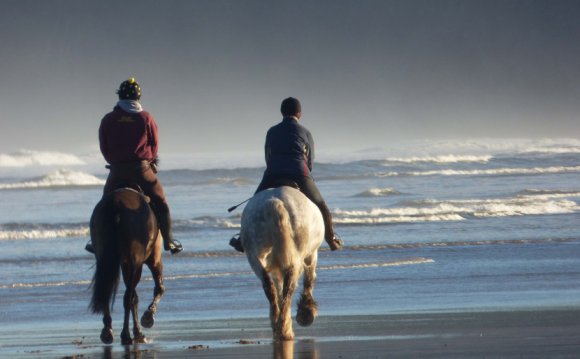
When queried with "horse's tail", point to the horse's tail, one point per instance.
{"points": [[106, 278], [284, 248]]}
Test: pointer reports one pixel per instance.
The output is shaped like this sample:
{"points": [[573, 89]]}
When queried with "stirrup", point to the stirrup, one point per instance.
{"points": [[236, 242]]}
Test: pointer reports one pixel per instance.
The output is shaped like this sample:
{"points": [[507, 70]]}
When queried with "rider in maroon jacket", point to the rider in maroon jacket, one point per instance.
{"points": [[128, 138]]}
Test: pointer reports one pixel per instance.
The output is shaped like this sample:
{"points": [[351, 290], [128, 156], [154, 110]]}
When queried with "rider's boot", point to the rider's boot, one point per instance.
{"points": [[333, 240], [89, 247], [236, 242], [169, 244]]}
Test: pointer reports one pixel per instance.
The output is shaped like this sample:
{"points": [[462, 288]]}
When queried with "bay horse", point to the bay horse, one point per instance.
{"points": [[125, 235], [281, 233]]}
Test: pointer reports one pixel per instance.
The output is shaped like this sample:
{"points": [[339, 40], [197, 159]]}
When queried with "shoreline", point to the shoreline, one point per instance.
{"points": [[518, 333]]}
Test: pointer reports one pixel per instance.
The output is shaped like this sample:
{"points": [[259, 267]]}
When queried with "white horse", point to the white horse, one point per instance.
{"points": [[281, 232]]}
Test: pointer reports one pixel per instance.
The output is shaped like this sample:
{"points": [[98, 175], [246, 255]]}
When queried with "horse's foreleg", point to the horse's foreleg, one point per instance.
{"points": [[284, 326], [148, 318], [307, 307]]}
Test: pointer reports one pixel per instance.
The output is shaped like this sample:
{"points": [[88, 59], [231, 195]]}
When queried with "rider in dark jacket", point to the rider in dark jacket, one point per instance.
{"points": [[289, 154], [128, 140]]}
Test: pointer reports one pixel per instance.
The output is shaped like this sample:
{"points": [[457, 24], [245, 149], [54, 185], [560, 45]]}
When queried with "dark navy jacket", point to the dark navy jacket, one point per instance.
{"points": [[289, 149]]}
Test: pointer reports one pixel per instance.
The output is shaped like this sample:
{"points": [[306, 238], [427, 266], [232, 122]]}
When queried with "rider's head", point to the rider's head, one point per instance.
{"points": [[129, 90], [291, 107]]}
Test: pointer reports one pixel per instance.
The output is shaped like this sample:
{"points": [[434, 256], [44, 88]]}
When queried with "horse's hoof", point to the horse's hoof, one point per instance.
{"points": [[126, 338], [107, 335], [305, 317], [307, 311], [147, 320], [139, 339], [126, 341], [284, 337]]}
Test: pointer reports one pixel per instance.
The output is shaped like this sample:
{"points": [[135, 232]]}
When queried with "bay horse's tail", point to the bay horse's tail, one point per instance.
{"points": [[104, 234]]}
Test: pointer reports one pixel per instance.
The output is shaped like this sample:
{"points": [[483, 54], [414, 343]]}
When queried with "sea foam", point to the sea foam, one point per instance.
{"points": [[442, 159], [24, 158], [525, 203], [44, 233], [487, 172], [378, 192], [59, 178]]}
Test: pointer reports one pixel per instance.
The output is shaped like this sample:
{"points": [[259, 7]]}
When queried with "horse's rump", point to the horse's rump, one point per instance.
{"points": [[281, 232], [281, 226]]}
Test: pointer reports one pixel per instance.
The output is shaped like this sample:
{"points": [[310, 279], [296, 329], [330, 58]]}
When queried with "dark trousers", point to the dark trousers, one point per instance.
{"points": [[307, 186], [142, 174]]}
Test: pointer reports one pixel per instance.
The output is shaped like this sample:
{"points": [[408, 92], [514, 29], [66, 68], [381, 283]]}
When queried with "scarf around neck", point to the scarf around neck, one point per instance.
{"points": [[131, 106]]}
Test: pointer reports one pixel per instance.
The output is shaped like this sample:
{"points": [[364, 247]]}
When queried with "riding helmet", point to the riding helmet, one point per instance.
{"points": [[129, 90]]}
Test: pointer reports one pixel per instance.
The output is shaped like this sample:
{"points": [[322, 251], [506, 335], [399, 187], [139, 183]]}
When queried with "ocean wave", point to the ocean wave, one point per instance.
{"points": [[487, 172], [493, 242], [548, 193], [378, 192], [207, 222], [441, 159], [33, 231], [24, 158], [19, 231], [499, 146], [45, 284], [236, 181], [458, 210], [393, 263], [59, 178]]}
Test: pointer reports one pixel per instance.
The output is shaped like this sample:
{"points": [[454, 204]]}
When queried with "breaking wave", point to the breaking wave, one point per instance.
{"points": [[378, 192], [24, 158], [442, 159], [487, 172], [59, 178], [499, 146], [41, 231], [527, 202], [395, 263]]}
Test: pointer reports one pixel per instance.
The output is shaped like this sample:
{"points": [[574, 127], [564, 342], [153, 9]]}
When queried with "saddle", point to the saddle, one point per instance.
{"points": [[134, 187], [281, 182]]}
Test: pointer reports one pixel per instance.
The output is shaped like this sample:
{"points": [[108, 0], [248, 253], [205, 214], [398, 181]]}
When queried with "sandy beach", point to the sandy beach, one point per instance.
{"points": [[519, 334]]}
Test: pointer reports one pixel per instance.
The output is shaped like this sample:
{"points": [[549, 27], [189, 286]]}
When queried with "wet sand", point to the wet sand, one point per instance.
{"points": [[526, 334]]}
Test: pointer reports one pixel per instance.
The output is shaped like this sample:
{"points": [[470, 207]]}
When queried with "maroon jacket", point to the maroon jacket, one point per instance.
{"points": [[128, 137]]}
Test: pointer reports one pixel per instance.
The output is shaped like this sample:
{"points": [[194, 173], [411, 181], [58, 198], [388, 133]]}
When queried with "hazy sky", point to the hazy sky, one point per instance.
{"points": [[214, 72]]}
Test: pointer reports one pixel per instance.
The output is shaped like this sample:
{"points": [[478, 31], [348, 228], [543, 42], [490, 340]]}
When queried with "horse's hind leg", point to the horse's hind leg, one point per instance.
{"points": [[270, 292], [127, 302], [130, 304], [148, 318], [307, 307], [107, 332], [138, 336], [284, 329]]}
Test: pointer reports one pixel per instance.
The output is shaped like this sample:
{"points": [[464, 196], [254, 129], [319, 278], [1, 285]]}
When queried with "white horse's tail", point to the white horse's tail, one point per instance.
{"points": [[284, 248]]}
